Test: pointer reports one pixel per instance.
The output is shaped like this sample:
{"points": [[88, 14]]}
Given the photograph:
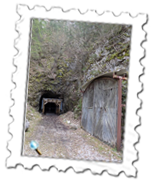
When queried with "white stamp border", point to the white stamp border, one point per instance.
{"points": [[20, 77]]}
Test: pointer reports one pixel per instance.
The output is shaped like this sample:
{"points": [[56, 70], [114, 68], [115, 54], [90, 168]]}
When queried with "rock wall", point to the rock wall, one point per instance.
{"points": [[43, 80], [111, 56]]}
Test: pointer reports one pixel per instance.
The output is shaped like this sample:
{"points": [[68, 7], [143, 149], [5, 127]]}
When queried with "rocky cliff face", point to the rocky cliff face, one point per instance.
{"points": [[111, 56], [44, 79], [46, 76]]}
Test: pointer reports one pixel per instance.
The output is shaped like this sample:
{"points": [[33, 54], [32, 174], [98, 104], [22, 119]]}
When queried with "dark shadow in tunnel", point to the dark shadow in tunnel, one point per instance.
{"points": [[50, 108]]}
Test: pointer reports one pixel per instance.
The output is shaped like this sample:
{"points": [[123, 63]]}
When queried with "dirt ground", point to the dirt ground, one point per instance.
{"points": [[62, 137]]}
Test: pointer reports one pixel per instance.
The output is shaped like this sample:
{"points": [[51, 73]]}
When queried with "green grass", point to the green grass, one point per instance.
{"points": [[114, 149], [34, 118]]}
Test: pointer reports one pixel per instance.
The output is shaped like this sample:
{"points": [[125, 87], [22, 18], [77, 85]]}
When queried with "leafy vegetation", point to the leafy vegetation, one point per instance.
{"points": [[65, 54], [78, 109]]}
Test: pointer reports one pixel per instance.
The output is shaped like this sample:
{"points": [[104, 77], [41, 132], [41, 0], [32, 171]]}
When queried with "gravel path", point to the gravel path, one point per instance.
{"points": [[62, 137]]}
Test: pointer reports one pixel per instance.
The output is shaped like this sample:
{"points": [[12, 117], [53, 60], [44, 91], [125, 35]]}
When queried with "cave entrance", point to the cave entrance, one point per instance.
{"points": [[51, 105], [50, 108]]}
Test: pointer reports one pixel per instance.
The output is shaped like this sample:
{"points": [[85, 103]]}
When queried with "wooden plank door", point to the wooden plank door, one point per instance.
{"points": [[87, 110], [105, 110]]}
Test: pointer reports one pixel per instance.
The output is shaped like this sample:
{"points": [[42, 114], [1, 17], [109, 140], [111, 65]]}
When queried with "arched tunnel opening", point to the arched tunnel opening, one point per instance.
{"points": [[50, 103]]}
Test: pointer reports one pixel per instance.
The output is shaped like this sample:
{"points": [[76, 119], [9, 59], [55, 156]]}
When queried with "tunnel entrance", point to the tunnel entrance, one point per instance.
{"points": [[51, 103]]}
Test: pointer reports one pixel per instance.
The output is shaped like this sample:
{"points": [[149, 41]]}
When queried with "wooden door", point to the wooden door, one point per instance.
{"points": [[87, 109], [105, 110]]}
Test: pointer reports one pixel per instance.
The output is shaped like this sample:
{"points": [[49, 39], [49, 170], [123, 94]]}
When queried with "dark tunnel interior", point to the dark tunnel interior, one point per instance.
{"points": [[50, 108]]}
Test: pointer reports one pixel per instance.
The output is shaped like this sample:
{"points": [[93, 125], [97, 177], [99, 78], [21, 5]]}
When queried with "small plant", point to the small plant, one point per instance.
{"points": [[100, 148], [114, 149], [78, 109]]}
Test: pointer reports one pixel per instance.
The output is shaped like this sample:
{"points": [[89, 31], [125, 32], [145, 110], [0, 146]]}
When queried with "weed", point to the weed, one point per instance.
{"points": [[114, 149]]}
